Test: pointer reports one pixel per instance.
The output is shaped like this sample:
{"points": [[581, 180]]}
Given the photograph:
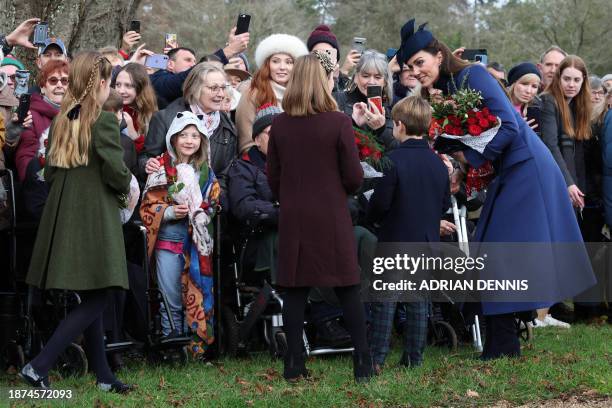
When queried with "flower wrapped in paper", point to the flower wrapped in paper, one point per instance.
{"points": [[459, 122]]}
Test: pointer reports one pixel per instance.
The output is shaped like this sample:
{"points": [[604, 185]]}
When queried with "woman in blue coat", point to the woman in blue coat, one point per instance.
{"points": [[526, 202]]}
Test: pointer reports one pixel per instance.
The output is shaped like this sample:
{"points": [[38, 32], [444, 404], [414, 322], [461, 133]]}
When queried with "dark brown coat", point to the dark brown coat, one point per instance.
{"points": [[313, 165]]}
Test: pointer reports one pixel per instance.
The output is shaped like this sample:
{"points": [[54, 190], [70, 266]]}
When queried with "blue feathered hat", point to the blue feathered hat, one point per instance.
{"points": [[412, 42]]}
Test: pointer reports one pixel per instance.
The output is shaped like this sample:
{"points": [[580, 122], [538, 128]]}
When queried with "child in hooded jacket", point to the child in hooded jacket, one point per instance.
{"points": [[179, 203]]}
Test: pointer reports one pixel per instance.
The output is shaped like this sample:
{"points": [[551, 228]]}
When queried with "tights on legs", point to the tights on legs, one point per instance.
{"points": [[85, 318], [293, 316]]}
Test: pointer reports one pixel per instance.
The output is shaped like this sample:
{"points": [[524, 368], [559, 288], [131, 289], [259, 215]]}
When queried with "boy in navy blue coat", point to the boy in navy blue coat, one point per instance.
{"points": [[407, 206]]}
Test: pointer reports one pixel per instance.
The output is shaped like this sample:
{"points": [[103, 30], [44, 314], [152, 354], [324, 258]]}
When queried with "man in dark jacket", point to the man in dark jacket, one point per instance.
{"points": [[168, 83]]}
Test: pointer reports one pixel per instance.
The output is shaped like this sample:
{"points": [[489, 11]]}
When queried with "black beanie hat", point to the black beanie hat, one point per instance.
{"points": [[524, 68], [322, 33]]}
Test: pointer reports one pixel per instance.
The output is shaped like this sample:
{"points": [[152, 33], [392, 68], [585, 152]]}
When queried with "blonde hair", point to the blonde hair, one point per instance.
{"points": [[198, 158], [527, 78], [72, 137], [307, 92], [415, 113]]}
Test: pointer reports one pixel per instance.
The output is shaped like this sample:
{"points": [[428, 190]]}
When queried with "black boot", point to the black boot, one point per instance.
{"points": [[363, 366], [294, 367]]}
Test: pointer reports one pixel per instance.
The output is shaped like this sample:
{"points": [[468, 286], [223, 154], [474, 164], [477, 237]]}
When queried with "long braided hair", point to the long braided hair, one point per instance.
{"points": [[71, 131]]}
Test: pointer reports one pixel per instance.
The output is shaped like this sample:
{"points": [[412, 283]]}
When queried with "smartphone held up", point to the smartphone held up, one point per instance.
{"points": [[375, 97], [242, 25], [23, 107], [157, 61], [358, 44], [41, 33]]}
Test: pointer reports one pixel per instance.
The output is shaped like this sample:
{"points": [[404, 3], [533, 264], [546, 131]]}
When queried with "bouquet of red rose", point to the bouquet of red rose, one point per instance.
{"points": [[460, 118], [370, 151], [459, 121]]}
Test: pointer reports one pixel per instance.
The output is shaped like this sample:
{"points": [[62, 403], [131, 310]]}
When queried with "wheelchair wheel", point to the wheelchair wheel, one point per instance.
{"points": [[443, 335], [231, 332], [278, 348], [525, 330], [72, 362], [13, 356]]}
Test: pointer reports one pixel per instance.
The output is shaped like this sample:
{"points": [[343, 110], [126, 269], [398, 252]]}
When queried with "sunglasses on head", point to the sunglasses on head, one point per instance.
{"points": [[54, 80]]}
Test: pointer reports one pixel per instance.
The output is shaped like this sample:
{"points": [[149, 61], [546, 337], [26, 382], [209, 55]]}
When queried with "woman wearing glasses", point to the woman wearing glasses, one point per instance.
{"points": [[203, 94], [31, 150]]}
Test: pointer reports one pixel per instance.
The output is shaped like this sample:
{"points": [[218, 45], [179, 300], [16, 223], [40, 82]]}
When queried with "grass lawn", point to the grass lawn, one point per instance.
{"points": [[558, 363]]}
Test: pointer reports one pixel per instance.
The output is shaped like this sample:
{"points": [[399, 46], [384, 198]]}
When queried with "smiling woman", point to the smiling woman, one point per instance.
{"points": [[526, 202], [275, 56], [139, 102], [31, 150]]}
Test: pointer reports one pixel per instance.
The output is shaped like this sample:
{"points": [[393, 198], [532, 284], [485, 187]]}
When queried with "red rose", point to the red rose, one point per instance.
{"points": [[492, 119], [357, 141], [171, 172], [471, 120], [377, 155], [483, 123], [474, 130], [366, 151], [454, 120], [486, 111]]}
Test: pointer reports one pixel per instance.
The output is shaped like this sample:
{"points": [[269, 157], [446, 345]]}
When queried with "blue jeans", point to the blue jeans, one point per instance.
{"points": [[169, 268]]}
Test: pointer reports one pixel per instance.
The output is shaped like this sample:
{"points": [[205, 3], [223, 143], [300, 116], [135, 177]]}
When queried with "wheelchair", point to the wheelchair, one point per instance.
{"points": [[251, 309]]}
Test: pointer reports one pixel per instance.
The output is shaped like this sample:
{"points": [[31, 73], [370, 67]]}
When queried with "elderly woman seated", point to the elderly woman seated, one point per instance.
{"points": [[253, 206]]}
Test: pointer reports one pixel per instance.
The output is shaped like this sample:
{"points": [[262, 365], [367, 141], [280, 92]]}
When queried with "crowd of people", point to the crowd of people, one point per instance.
{"points": [[273, 148]]}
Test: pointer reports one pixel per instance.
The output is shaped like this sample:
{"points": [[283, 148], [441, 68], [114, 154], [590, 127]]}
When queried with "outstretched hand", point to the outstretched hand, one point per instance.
{"points": [[21, 35]]}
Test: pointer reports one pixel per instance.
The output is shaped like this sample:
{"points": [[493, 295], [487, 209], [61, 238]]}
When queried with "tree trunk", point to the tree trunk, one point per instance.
{"points": [[81, 24]]}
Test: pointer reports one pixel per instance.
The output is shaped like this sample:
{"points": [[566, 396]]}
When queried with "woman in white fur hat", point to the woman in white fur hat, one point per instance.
{"points": [[274, 57]]}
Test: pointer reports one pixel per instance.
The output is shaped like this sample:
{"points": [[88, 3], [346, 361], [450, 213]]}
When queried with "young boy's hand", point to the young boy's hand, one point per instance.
{"points": [[447, 227]]}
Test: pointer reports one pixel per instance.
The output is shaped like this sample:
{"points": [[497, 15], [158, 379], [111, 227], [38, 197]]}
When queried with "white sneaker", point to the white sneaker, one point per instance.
{"points": [[551, 321], [539, 323]]}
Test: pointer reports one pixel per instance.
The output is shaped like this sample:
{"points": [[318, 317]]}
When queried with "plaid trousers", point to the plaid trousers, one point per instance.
{"points": [[414, 329]]}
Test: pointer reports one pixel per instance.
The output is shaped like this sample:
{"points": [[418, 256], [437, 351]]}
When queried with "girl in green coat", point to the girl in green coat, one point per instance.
{"points": [[79, 245]]}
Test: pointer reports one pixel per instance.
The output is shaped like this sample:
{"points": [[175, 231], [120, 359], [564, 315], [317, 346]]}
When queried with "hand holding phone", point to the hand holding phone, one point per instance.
{"points": [[358, 44], [157, 61], [375, 97], [22, 78], [476, 55], [135, 26], [171, 41], [23, 107], [533, 114], [242, 25], [41, 33]]}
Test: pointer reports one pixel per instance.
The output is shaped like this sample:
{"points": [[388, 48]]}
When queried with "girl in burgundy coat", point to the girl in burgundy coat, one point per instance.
{"points": [[316, 243]]}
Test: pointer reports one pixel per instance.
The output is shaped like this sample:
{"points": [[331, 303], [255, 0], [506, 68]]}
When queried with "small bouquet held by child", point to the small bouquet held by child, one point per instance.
{"points": [[459, 121]]}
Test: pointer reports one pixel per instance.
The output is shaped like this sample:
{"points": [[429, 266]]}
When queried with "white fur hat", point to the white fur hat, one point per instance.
{"points": [[279, 43]]}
